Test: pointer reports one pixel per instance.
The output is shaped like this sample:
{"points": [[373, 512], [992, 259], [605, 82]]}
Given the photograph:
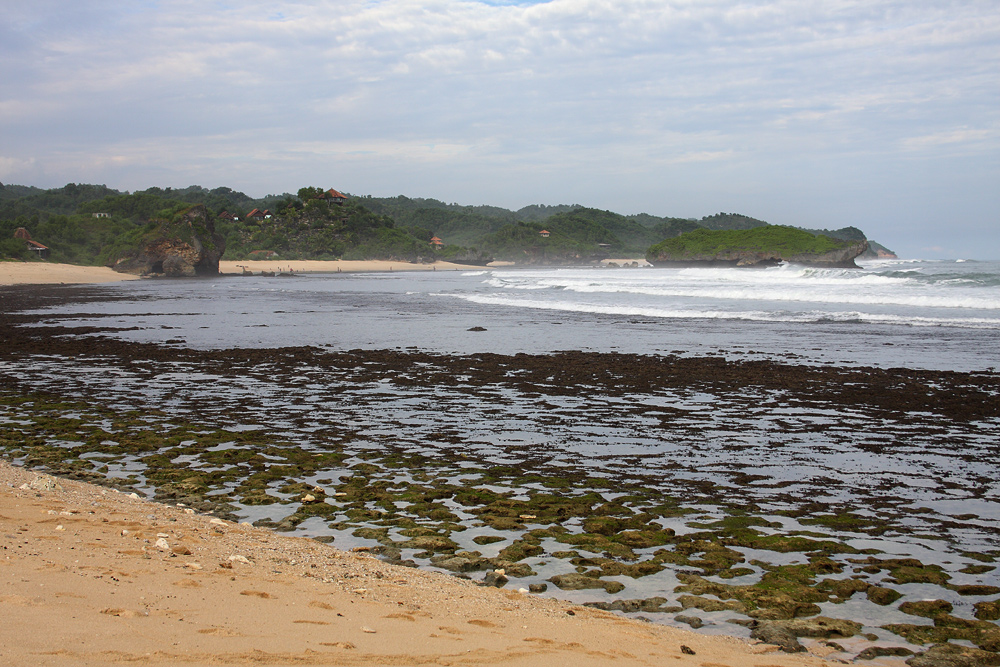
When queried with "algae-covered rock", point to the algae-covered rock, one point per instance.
{"points": [[777, 635], [946, 627], [429, 543], [519, 550], [785, 633], [873, 652], [693, 621], [883, 596], [576, 582], [775, 597], [710, 604], [460, 563], [987, 611], [648, 605], [820, 626], [495, 578], [976, 589], [952, 655], [844, 588], [926, 608]]}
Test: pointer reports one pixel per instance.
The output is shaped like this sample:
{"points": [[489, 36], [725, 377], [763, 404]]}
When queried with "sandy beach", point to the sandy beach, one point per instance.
{"points": [[92, 576], [45, 273]]}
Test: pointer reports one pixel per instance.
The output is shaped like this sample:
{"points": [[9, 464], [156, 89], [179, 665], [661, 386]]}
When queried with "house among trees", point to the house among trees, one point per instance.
{"points": [[226, 215], [437, 242], [259, 215], [331, 196], [544, 233], [34, 246]]}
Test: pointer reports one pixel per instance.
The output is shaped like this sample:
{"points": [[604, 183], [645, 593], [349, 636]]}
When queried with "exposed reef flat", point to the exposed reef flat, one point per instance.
{"points": [[95, 577], [739, 497]]}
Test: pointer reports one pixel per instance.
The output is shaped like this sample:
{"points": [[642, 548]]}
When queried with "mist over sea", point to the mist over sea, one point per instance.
{"points": [[941, 315]]}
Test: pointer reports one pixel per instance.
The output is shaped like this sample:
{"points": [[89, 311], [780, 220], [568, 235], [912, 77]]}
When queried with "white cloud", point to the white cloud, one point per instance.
{"points": [[729, 96]]}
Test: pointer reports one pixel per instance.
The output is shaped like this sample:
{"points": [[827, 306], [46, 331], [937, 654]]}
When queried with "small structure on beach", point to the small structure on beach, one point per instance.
{"points": [[38, 249], [41, 251]]}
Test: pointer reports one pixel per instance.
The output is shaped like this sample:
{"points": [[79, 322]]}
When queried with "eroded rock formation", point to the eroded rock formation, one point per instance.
{"points": [[187, 245]]}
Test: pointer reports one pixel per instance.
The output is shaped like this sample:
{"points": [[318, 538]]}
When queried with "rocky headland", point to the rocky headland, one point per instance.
{"points": [[186, 245], [758, 247]]}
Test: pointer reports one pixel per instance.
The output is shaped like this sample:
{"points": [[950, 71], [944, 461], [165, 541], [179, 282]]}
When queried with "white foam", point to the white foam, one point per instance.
{"points": [[741, 314]]}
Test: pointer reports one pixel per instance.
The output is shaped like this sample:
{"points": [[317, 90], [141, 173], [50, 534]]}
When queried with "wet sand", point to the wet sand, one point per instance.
{"points": [[92, 576]]}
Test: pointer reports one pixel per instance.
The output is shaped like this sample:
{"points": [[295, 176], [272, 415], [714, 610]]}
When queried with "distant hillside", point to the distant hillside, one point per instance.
{"points": [[761, 245], [86, 224]]}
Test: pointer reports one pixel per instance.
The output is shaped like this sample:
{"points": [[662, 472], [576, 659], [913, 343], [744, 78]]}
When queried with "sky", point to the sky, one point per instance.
{"points": [[884, 115]]}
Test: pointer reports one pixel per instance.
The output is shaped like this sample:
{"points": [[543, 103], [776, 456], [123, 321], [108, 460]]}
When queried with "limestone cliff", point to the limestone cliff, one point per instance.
{"points": [[186, 245]]}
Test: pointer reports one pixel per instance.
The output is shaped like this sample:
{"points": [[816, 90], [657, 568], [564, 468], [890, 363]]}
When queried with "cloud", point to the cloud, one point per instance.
{"points": [[964, 135], [723, 96]]}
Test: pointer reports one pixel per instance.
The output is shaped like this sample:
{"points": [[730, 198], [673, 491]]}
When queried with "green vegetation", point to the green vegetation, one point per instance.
{"points": [[706, 243], [94, 224]]}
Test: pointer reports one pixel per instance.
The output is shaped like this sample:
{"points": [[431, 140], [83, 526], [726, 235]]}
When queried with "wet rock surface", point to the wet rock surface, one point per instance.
{"points": [[745, 490]]}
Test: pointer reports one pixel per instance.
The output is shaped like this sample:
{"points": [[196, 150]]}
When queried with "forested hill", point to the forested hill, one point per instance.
{"points": [[92, 224]]}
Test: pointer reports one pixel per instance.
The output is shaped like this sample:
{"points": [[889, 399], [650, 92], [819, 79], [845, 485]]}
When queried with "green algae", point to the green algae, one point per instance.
{"points": [[882, 596], [905, 570], [946, 627], [363, 492], [926, 608], [987, 610]]}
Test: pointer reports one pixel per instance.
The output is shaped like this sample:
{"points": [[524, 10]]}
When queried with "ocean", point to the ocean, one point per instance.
{"points": [[942, 315], [675, 443]]}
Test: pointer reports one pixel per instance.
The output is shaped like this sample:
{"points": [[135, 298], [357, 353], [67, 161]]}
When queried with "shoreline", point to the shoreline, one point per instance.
{"points": [[94, 576], [234, 267], [46, 273]]}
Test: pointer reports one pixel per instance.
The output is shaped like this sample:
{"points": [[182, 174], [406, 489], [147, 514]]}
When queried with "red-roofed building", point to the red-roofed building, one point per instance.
{"points": [[258, 214], [35, 246], [333, 197], [436, 241], [544, 233]]}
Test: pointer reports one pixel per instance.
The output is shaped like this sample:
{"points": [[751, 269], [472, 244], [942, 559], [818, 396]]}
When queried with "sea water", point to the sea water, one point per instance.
{"points": [[941, 315], [918, 314]]}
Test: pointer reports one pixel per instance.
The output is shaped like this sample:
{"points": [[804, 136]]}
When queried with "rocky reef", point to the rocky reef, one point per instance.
{"points": [[186, 245]]}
